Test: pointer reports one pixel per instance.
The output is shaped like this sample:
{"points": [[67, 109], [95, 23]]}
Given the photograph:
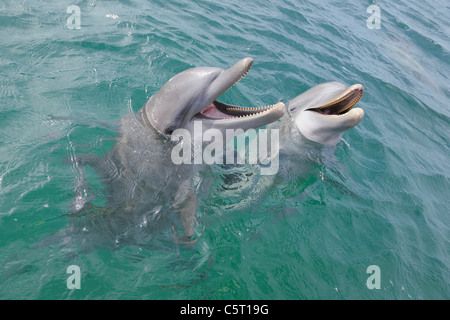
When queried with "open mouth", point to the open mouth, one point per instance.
{"points": [[343, 103], [217, 110]]}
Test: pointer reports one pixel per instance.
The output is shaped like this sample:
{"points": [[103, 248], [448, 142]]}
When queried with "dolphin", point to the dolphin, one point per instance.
{"points": [[312, 126], [143, 186], [315, 122], [323, 113], [192, 96]]}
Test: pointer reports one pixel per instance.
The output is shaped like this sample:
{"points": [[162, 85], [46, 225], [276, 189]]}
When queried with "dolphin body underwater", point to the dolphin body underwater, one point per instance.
{"points": [[144, 188]]}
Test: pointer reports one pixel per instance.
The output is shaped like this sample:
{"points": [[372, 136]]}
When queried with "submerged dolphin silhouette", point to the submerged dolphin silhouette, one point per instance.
{"points": [[140, 179]]}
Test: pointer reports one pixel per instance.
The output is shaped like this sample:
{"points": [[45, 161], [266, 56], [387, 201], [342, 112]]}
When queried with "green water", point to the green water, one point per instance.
{"points": [[384, 201]]}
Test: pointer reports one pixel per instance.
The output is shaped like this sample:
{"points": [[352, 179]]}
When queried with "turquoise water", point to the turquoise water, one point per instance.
{"points": [[383, 201]]}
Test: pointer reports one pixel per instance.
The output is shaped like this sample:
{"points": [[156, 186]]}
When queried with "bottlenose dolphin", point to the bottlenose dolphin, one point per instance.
{"points": [[192, 96], [315, 122], [323, 113], [312, 126], [142, 183]]}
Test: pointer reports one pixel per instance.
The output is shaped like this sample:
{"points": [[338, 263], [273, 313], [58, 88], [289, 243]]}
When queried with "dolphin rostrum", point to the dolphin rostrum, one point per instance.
{"points": [[323, 113]]}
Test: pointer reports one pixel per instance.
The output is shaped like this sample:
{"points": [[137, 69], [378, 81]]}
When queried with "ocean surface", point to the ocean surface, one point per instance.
{"points": [[383, 200]]}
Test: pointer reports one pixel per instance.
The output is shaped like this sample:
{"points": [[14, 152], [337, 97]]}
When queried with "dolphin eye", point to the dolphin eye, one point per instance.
{"points": [[169, 130]]}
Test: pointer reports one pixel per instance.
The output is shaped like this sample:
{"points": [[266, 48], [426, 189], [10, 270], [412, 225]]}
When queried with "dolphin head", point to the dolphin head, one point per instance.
{"points": [[192, 96], [325, 111]]}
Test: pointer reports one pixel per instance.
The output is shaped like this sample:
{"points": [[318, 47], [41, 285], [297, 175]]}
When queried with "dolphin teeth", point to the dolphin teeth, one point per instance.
{"points": [[243, 112]]}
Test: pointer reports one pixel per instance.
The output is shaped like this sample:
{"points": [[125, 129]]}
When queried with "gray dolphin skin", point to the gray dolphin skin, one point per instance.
{"points": [[143, 186]]}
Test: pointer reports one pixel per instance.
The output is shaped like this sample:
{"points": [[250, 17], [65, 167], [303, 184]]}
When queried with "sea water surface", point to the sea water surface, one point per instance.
{"points": [[383, 200]]}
